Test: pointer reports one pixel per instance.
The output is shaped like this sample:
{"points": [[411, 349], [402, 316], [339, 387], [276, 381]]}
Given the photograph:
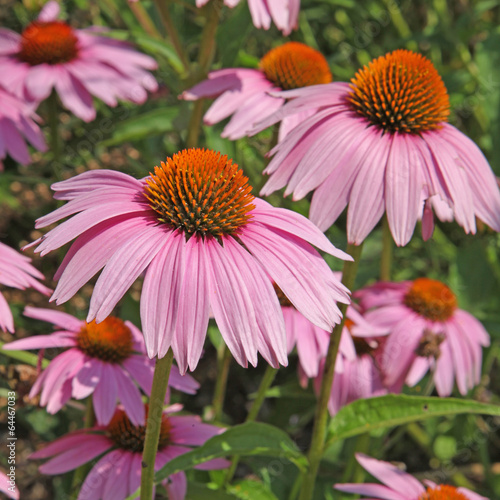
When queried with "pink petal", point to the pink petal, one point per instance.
{"points": [[105, 394]]}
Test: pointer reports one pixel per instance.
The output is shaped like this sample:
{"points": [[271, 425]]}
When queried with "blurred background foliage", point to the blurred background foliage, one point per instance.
{"points": [[462, 39]]}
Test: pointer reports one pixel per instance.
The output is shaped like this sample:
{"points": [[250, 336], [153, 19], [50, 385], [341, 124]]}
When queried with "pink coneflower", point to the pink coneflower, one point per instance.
{"points": [[284, 13], [16, 126], [427, 330], [243, 93], [107, 360], [399, 485], [117, 474], [8, 487], [382, 144], [205, 243], [16, 272], [357, 375], [50, 54]]}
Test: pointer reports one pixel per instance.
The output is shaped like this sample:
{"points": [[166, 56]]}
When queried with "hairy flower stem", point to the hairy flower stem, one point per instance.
{"points": [[223, 363], [80, 473], [265, 384], [321, 416], [387, 248], [205, 57], [153, 425], [163, 7]]}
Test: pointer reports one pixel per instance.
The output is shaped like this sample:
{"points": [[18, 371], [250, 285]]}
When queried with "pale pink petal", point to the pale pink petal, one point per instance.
{"points": [[87, 378], [105, 395], [40, 342], [129, 395], [176, 486], [50, 12]]}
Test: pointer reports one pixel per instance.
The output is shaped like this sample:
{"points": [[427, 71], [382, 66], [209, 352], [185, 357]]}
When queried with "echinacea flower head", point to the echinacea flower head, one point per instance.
{"points": [[243, 92], [383, 144], [427, 331], [117, 473], [399, 485], [205, 244], [16, 272], [107, 360], [78, 64], [17, 125], [357, 374], [284, 13]]}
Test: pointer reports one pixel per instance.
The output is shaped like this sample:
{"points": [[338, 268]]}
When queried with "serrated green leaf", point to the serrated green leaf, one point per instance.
{"points": [[366, 415]]}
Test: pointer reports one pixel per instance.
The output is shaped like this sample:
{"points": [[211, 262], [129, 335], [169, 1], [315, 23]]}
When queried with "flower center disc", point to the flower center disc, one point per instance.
{"points": [[130, 437], [52, 42], [400, 92], [431, 299], [110, 340], [200, 191], [294, 65], [443, 492]]}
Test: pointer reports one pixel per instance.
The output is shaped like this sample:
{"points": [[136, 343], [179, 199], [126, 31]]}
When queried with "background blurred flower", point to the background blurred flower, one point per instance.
{"points": [[50, 54], [427, 330], [117, 474], [398, 485], [284, 13], [382, 144], [17, 124], [243, 93], [106, 360], [16, 272], [7, 488], [204, 242]]}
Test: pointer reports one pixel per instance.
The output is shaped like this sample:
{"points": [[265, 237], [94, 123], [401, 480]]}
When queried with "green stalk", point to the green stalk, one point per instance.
{"points": [[387, 246], [153, 425], [205, 57], [166, 18], [223, 363], [321, 416], [265, 384], [144, 19]]}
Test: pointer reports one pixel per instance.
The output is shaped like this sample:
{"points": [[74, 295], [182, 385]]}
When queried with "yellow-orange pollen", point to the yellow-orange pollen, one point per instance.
{"points": [[200, 191], [294, 65], [110, 340], [431, 299], [51, 42], [130, 437], [400, 92], [443, 492]]}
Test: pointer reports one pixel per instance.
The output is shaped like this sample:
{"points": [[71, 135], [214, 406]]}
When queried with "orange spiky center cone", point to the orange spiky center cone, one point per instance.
{"points": [[130, 437], [431, 299], [400, 92], [294, 65], [200, 191], [443, 492], [110, 340], [51, 42]]}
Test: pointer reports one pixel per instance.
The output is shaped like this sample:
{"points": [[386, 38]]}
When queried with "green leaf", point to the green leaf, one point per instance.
{"points": [[155, 122], [198, 491], [252, 438], [27, 358], [249, 490], [366, 415]]}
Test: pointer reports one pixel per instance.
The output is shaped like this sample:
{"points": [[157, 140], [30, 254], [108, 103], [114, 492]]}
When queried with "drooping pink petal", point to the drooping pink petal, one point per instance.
{"points": [[105, 395], [130, 397]]}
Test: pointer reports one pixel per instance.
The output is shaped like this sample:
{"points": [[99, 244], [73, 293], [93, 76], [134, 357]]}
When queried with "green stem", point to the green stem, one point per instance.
{"points": [[205, 57], [321, 415], [265, 384], [163, 9], [223, 363], [399, 23], [387, 247], [153, 425], [24, 357], [144, 19], [81, 472]]}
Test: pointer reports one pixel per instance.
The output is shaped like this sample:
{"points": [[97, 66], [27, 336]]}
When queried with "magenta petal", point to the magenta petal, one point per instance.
{"points": [[87, 378], [115, 487], [130, 397], [191, 431], [58, 318], [177, 486], [75, 439], [105, 394], [41, 342]]}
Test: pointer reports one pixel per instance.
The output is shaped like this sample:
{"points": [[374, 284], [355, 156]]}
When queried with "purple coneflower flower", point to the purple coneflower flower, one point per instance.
{"points": [[427, 330], [107, 360], [17, 124], [399, 485], [206, 244], [284, 13], [16, 272], [383, 144], [50, 54], [117, 474], [244, 93]]}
